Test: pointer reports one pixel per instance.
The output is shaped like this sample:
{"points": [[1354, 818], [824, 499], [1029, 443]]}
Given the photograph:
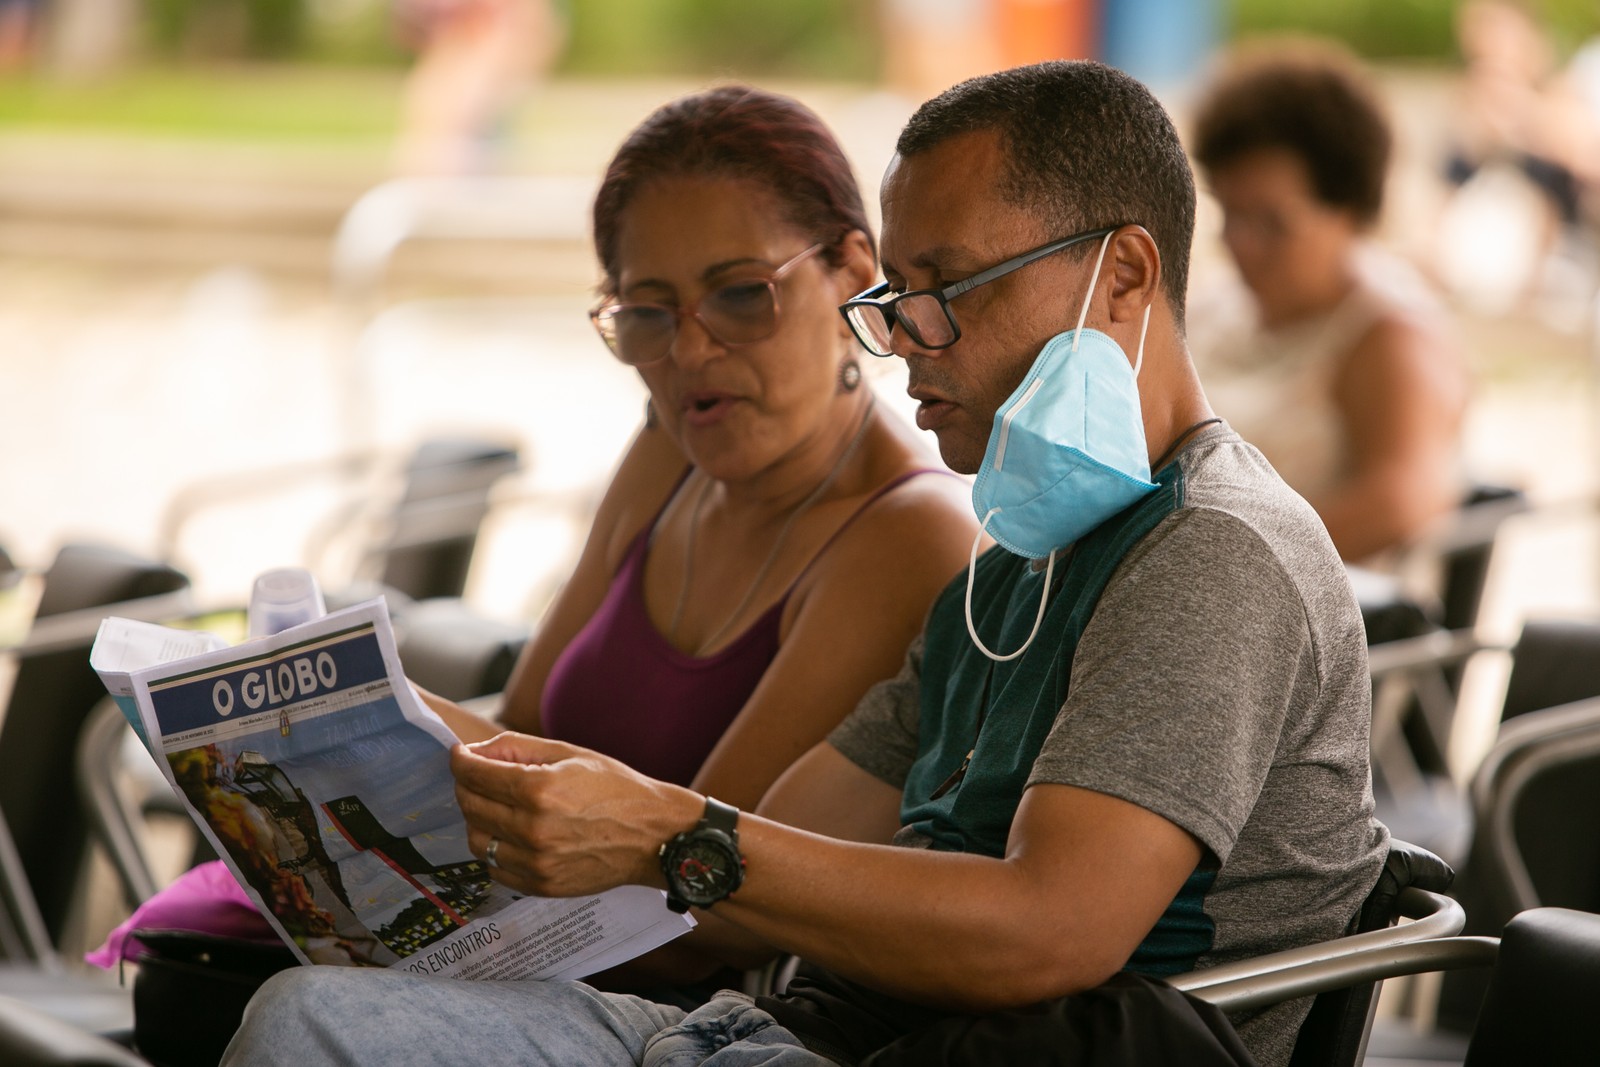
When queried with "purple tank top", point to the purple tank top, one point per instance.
{"points": [[621, 689]]}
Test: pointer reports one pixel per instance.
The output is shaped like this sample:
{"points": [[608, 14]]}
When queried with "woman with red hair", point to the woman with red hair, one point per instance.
{"points": [[772, 539]]}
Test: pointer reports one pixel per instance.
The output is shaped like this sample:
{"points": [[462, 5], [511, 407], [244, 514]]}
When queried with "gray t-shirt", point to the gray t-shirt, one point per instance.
{"points": [[1221, 682]]}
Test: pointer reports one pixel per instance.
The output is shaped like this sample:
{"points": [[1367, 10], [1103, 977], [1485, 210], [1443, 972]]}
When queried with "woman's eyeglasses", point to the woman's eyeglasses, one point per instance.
{"points": [[740, 313]]}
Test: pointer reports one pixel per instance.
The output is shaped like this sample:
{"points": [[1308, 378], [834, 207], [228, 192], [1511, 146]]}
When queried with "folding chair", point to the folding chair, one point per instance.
{"points": [[1415, 691], [32, 1038], [411, 523], [1335, 1030], [34, 975], [1536, 800], [1537, 1007], [51, 696]]}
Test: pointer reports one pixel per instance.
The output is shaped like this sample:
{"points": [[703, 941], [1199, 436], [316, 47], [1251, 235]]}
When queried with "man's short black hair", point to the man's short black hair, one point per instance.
{"points": [[1086, 145]]}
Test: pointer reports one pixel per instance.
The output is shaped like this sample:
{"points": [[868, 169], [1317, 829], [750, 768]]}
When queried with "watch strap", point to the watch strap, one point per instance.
{"points": [[720, 816]]}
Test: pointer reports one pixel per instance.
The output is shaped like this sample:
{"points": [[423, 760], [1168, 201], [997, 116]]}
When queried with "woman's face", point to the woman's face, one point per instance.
{"points": [[1289, 246], [735, 410]]}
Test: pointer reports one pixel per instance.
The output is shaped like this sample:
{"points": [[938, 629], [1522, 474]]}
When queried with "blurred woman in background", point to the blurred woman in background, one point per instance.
{"points": [[1338, 362]]}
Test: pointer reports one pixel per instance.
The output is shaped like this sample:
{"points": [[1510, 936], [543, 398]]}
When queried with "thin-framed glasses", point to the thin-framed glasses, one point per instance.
{"points": [[739, 313], [925, 313]]}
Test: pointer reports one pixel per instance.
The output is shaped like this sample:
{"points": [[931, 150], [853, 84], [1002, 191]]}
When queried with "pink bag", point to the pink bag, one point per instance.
{"points": [[205, 899]]}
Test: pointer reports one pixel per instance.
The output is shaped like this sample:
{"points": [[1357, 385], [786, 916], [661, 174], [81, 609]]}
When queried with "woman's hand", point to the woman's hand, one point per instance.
{"points": [[569, 821]]}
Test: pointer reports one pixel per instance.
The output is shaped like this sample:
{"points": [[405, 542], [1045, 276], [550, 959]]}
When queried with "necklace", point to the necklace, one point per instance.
{"points": [[777, 544], [1172, 449]]}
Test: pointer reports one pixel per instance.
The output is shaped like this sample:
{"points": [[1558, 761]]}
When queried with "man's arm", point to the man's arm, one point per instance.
{"points": [[1084, 878], [822, 792]]}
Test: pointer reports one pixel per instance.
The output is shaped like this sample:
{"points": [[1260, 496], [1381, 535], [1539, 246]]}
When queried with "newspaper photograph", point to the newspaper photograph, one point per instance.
{"points": [[323, 781]]}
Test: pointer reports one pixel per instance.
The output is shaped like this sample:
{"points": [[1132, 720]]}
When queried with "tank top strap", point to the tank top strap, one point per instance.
{"points": [[883, 490], [641, 540]]}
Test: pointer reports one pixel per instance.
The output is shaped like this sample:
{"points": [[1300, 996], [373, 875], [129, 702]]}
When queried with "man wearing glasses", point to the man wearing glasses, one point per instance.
{"points": [[1132, 737]]}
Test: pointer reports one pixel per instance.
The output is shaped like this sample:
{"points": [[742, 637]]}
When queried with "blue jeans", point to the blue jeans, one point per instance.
{"points": [[311, 1016]]}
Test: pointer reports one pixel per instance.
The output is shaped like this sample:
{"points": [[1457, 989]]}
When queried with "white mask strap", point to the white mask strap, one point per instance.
{"points": [[972, 565], [1144, 328], [1083, 315]]}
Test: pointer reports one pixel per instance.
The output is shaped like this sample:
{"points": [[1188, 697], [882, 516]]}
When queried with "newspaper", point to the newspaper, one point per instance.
{"points": [[323, 782]]}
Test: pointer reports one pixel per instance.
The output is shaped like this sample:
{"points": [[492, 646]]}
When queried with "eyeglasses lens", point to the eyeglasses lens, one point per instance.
{"points": [[922, 315], [638, 333], [927, 319], [738, 314], [871, 328]]}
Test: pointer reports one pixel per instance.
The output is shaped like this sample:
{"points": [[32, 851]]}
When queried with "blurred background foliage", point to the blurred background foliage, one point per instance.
{"points": [[1399, 29], [812, 38], [164, 75]]}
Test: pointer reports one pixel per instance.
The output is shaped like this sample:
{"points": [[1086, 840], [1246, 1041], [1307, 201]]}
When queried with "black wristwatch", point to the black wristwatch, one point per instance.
{"points": [[703, 865]]}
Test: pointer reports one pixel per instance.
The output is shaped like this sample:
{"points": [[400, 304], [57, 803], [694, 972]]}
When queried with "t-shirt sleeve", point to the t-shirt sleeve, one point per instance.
{"points": [[880, 735], [1184, 677]]}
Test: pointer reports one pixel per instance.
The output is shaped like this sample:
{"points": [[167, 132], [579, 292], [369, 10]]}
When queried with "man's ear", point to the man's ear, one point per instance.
{"points": [[1135, 273], [859, 268]]}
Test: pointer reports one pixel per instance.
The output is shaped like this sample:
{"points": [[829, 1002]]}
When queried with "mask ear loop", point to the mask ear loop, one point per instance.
{"points": [[1083, 314], [1144, 328], [1038, 619]]}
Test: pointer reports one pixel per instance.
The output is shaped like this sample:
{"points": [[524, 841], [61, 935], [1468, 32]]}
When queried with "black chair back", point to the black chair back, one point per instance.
{"points": [[1538, 795], [434, 527], [1335, 1031], [1555, 661], [1544, 984], [1464, 567], [52, 694]]}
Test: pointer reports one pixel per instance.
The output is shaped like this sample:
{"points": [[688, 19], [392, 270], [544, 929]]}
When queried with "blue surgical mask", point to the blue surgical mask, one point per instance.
{"points": [[1067, 451]]}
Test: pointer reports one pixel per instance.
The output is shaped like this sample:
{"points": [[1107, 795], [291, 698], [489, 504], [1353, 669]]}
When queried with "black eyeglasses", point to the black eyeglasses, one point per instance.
{"points": [[741, 313], [925, 313]]}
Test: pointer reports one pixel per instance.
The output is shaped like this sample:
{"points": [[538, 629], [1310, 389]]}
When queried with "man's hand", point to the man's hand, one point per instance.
{"points": [[568, 821]]}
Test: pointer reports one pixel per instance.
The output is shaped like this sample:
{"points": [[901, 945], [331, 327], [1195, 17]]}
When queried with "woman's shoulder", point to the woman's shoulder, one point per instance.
{"points": [[908, 474], [1421, 358], [911, 514], [644, 481], [1392, 288], [1402, 320]]}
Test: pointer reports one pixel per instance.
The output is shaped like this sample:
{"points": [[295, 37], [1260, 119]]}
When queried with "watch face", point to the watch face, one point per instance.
{"points": [[704, 870]]}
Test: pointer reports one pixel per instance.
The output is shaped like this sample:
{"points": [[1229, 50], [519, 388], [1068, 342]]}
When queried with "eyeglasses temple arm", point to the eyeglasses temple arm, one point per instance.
{"points": [[1021, 261]]}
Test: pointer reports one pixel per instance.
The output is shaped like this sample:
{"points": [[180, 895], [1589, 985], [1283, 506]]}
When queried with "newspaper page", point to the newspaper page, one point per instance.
{"points": [[323, 781]]}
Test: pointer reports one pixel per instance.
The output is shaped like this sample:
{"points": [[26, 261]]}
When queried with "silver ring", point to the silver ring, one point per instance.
{"points": [[488, 853]]}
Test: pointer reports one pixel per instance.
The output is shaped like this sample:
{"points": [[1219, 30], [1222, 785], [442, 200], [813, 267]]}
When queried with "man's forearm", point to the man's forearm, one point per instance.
{"points": [[950, 929], [1084, 879]]}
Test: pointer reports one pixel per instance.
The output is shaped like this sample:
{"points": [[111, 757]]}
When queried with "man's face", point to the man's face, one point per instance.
{"points": [[944, 220]]}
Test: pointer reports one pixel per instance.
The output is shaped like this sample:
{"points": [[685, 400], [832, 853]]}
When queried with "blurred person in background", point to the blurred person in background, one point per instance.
{"points": [[19, 32], [1517, 111], [928, 45], [474, 58], [1335, 358], [772, 539]]}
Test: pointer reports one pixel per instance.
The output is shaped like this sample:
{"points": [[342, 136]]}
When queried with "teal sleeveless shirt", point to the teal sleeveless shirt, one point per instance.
{"points": [[1002, 712]]}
